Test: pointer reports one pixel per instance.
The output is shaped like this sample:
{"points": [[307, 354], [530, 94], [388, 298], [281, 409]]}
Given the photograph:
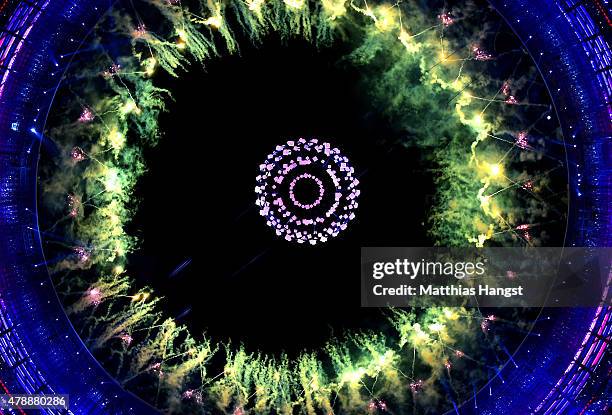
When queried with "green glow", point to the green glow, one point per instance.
{"points": [[428, 96]]}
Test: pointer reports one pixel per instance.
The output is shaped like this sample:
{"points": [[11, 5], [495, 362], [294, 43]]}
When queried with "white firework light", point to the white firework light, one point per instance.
{"points": [[307, 191]]}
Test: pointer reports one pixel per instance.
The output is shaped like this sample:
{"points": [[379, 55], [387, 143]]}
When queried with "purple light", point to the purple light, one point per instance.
{"points": [[83, 254], [292, 191], [480, 54], [446, 19], [126, 339], [522, 140], [511, 100], [506, 89], [87, 115], [293, 216], [111, 71], [140, 31], [77, 154], [94, 296]]}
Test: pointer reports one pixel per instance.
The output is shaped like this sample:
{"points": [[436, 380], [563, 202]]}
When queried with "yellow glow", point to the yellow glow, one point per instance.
{"points": [[485, 201], [119, 250], [366, 12], [353, 376], [140, 296], [459, 83], [182, 39], [114, 219], [436, 327], [116, 140], [334, 8], [408, 42], [112, 184], [387, 19], [495, 211], [150, 65], [451, 315], [255, 5], [383, 361], [295, 4], [495, 170], [483, 237], [420, 336], [214, 21], [130, 106], [314, 383]]}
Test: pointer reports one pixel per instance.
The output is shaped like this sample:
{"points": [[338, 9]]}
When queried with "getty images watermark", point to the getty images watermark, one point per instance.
{"points": [[485, 277]]}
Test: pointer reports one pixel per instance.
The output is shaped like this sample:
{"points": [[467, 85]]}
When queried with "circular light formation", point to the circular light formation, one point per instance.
{"points": [[295, 181], [307, 191]]}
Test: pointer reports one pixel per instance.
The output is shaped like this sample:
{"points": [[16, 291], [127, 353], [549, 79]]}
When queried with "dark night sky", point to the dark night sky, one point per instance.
{"points": [[198, 198]]}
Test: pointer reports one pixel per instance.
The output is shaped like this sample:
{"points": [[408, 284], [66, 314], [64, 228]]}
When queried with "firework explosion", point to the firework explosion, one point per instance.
{"points": [[329, 211], [432, 87]]}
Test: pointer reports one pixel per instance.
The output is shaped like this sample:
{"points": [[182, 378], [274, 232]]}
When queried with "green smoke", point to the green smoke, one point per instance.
{"points": [[432, 91]]}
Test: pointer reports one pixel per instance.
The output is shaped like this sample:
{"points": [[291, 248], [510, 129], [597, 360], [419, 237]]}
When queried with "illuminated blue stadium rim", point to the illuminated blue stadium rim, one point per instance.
{"points": [[41, 352]]}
